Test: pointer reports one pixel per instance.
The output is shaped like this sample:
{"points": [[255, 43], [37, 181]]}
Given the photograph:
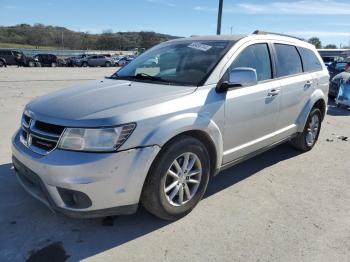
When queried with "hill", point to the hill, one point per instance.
{"points": [[40, 35]]}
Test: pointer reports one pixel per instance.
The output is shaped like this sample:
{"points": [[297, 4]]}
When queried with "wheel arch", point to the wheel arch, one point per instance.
{"points": [[3, 60], [317, 99], [196, 125], [206, 140]]}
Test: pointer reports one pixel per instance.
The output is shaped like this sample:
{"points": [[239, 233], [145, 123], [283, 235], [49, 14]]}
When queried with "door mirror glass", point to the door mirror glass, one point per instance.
{"points": [[240, 77]]}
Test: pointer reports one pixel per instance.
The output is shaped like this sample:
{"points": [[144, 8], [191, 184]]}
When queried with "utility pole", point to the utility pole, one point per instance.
{"points": [[218, 30], [62, 40]]}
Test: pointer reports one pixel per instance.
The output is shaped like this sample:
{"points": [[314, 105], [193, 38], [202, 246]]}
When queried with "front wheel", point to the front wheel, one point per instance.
{"points": [[177, 179], [306, 140]]}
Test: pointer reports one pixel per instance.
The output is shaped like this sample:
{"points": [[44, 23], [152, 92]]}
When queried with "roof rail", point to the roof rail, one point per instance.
{"points": [[260, 32]]}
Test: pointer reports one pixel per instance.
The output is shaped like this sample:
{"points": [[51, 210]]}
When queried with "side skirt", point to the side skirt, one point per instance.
{"points": [[253, 154]]}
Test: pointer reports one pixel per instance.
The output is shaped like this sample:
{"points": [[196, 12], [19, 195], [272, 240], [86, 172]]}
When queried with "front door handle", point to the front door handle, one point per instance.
{"points": [[273, 92]]}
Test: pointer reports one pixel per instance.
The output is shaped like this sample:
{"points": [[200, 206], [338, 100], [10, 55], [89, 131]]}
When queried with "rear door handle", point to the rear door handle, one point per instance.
{"points": [[273, 92], [308, 84]]}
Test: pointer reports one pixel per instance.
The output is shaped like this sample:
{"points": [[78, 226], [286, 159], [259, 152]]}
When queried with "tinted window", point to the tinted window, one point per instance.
{"points": [[288, 60], [255, 56], [310, 60], [340, 66]]}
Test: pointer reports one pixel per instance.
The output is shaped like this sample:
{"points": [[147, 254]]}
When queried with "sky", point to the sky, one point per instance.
{"points": [[327, 19]]}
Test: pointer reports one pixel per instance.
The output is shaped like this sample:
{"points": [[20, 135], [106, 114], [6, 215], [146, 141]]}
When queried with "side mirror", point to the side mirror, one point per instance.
{"points": [[240, 77]]}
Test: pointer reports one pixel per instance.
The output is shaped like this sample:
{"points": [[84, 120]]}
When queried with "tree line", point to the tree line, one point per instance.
{"points": [[318, 44], [40, 35]]}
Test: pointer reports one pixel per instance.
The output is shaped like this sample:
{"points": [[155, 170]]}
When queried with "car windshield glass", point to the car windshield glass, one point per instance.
{"points": [[182, 63]]}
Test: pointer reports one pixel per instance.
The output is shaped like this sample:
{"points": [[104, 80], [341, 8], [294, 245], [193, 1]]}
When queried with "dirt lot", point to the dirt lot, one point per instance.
{"points": [[279, 206]]}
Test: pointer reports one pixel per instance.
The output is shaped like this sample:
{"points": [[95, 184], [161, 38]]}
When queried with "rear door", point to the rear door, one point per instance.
{"points": [[93, 60], [295, 86], [7, 55], [101, 60]]}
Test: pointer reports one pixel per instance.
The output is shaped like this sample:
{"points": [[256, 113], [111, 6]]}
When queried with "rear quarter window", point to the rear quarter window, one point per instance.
{"points": [[288, 60], [310, 60]]}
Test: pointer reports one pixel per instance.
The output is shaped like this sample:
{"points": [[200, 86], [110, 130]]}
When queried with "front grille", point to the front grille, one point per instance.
{"points": [[39, 136]]}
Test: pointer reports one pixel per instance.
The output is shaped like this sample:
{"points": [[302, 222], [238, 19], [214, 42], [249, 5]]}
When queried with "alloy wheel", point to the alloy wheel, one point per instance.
{"points": [[183, 179], [312, 130]]}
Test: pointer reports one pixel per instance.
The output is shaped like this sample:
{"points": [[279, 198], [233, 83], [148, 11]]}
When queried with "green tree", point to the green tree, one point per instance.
{"points": [[315, 41], [331, 46]]}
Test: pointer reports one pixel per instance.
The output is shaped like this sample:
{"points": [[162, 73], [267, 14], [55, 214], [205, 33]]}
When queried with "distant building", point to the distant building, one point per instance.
{"points": [[334, 52]]}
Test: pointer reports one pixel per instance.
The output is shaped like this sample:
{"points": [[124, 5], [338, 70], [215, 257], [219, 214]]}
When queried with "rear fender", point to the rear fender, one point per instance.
{"points": [[316, 96]]}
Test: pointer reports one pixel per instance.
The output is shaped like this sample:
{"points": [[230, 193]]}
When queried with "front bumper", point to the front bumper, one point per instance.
{"points": [[112, 182]]}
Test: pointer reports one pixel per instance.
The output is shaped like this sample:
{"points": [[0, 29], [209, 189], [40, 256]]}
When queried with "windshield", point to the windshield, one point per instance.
{"points": [[181, 63]]}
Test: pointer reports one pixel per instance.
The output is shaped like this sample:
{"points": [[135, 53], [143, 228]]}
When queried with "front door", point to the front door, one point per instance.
{"points": [[251, 112]]}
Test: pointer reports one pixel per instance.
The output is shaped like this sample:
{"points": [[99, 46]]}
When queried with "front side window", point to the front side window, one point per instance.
{"points": [[256, 56], [184, 62], [288, 60], [310, 60]]}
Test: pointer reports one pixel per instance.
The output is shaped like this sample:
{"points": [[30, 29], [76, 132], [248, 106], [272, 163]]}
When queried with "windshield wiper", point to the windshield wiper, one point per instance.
{"points": [[139, 76], [144, 76], [149, 77]]}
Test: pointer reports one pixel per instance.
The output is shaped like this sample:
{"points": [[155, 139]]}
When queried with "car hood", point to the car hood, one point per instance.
{"points": [[102, 102]]}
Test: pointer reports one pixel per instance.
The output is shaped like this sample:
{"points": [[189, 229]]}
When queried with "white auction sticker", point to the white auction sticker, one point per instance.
{"points": [[199, 46]]}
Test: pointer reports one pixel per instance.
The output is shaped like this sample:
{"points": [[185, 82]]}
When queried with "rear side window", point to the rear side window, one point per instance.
{"points": [[256, 56], [310, 60], [288, 60]]}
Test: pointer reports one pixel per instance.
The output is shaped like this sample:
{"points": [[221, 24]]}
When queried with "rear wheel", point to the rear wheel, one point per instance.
{"points": [[306, 140], [2, 63], [84, 64], [177, 179], [108, 64]]}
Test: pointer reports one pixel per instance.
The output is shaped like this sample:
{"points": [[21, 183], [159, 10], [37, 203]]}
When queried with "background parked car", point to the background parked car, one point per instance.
{"points": [[8, 57], [95, 60], [124, 61], [46, 60], [13, 57], [336, 68]]}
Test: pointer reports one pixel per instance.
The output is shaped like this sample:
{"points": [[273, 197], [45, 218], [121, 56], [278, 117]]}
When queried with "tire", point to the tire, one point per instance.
{"points": [[84, 64], [331, 96], [53, 64], [107, 64], [156, 200], [2, 63], [303, 141], [31, 64]]}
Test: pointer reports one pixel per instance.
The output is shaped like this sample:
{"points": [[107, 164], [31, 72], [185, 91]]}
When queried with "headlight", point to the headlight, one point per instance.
{"points": [[95, 139]]}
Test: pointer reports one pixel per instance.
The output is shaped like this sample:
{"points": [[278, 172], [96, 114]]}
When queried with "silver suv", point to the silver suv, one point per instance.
{"points": [[154, 135], [95, 60]]}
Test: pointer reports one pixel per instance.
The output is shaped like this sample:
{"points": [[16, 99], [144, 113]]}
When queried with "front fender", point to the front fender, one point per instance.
{"points": [[178, 124], [316, 96]]}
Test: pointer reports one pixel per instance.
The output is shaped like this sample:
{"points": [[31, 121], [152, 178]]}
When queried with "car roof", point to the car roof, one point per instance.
{"points": [[211, 38], [257, 35]]}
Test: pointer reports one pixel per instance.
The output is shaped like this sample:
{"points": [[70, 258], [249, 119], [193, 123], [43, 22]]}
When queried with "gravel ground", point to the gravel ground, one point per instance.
{"points": [[279, 206]]}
